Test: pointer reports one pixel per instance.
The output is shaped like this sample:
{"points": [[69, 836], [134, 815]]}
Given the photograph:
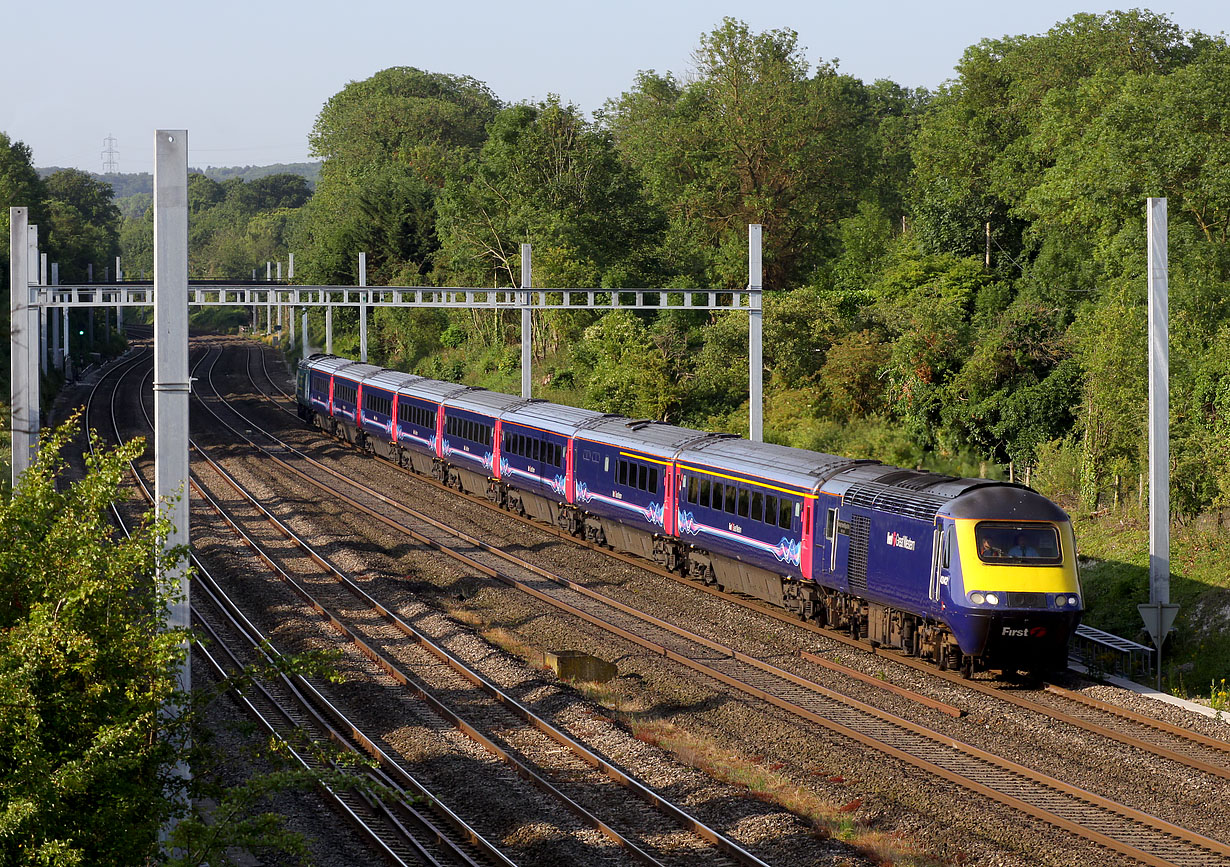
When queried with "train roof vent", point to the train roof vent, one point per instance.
{"points": [[914, 480], [638, 423], [887, 498]]}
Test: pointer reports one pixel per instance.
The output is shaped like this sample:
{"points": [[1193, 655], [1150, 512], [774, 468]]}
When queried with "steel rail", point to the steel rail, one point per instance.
{"points": [[364, 826], [593, 759], [315, 701]]}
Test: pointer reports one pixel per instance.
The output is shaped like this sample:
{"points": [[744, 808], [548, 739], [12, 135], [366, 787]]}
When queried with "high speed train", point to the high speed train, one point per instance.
{"points": [[972, 573]]}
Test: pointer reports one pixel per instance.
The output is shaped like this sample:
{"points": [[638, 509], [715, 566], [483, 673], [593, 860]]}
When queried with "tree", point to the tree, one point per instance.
{"points": [[91, 722], [85, 669], [990, 136], [388, 143], [19, 186], [83, 224], [755, 138], [547, 177]]}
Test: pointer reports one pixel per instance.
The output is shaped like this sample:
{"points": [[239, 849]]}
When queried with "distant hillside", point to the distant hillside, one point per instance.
{"points": [[129, 184]]}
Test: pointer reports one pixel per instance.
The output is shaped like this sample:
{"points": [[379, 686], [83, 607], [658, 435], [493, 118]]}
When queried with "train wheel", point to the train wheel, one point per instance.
{"points": [[967, 667]]}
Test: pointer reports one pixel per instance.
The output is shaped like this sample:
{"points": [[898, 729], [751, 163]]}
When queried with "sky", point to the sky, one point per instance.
{"points": [[247, 79]]}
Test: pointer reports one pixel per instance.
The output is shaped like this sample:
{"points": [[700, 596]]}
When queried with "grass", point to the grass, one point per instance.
{"points": [[1117, 580]]}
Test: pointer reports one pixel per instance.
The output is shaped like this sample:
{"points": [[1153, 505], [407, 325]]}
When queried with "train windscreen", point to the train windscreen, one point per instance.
{"points": [[1018, 544]]}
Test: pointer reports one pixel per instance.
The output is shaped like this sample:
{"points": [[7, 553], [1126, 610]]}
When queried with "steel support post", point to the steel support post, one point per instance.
{"points": [[44, 336], [24, 386], [33, 261], [171, 383], [290, 319], [57, 341], [362, 308], [329, 330], [290, 266], [527, 322], [63, 357], [755, 343], [1159, 614], [306, 350]]}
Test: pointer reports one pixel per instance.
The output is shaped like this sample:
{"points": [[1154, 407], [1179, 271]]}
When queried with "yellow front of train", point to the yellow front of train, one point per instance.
{"points": [[1014, 595]]}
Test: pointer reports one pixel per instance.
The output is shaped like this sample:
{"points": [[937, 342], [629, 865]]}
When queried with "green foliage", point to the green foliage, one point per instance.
{"points": [[754, 138], [389, 143], [628, 372], [85, 667], [91, 721], [234, 227], [20, 186], [548, 178]]}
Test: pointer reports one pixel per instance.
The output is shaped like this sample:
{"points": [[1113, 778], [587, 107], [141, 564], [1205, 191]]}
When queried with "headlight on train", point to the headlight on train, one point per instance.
{"points": [[1067, 601], [992, 599], [980, 598]]}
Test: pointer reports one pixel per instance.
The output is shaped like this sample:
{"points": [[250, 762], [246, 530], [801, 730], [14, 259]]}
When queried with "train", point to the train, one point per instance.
{"points": [[974, 574]]}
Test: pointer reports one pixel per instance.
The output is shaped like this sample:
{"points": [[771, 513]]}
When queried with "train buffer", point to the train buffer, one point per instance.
{"points": [[1105, 653]]}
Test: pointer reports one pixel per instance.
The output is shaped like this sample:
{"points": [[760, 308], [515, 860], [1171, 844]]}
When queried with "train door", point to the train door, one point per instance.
{"points": [[440, 431], [830, 536], [669, 498], [497, 431], [805, 563], [569, 473], [941, 560]]}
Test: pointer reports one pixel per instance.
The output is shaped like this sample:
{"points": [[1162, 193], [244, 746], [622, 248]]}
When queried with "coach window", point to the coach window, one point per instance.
{"points": [[757, 506], [770, 509], [715, 501], [704, 493], [642, 477], [693, 488], [653, 480], [743, 503], [783, 517], [732, 494], [623, 472]]}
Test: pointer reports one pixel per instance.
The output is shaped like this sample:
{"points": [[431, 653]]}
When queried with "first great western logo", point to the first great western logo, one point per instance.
{"points": [[896, 540]]}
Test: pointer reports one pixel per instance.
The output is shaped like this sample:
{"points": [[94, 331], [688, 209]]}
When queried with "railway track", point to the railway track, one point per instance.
{"points": [[502, 713], [1127, 831], [402, 830]]}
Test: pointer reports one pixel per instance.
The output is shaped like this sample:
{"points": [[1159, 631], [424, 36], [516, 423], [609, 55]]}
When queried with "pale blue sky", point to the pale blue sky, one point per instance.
{"points": [[247, 79]]}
